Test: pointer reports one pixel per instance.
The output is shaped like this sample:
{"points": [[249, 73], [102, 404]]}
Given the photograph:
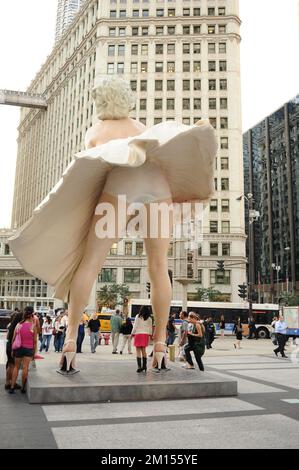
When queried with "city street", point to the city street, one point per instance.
{"points": [[265, 414]]}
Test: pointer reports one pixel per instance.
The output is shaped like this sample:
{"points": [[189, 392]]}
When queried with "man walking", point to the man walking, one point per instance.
{"points": [[93, 331], [280, 332], [116, 322], [183, 339], [252, 328]]}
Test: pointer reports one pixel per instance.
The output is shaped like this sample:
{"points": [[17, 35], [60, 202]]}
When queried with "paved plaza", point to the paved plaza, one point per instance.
{"points": [[265, 414]]}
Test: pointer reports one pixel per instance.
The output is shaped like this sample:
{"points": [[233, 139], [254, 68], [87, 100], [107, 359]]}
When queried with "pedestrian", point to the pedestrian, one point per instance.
{"points": [[222, 326], [273, 335], [116, 322], [183, 337], [210, 328], [81, 334], [47, 332], [59, 333], [126, 331], [281, 335], [93, 331], [238, 331], [142, 331], [24, 345], [252, 328], [196, 342], [170, 331], [15, 320]]}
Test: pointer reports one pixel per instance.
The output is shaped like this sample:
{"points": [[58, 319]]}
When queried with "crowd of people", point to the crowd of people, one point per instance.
{"points": [[30, 332]]}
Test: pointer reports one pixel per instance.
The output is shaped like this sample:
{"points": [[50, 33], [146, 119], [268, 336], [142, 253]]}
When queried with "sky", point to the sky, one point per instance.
{"points": [[269, 69]]}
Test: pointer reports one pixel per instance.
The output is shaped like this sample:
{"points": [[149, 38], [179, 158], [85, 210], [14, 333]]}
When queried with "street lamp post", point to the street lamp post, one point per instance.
{"points": [[277, 268], [287, 250]]}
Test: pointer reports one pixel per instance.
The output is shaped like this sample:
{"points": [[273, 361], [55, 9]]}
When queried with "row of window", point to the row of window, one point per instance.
{"points": [[224, 205], [133, 276], [187, 104], [163, 12], [170, 49], [171, 85], [143, 67], [225, 226], [171, 30]]}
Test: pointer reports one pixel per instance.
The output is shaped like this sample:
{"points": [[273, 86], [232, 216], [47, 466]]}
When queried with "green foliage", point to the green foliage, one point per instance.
{"points": [[288, 299], [208, 295], [112, 295]]}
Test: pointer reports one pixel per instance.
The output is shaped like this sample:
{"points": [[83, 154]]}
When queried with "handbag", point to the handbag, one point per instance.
{"points": [[17, 342]]}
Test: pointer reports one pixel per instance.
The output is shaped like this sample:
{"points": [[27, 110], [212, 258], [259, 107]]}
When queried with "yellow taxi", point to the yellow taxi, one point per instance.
{"points": [[104, 318]]}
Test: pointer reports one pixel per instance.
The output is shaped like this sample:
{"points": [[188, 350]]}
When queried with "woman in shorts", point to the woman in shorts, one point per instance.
{"points": [[25, 353]]}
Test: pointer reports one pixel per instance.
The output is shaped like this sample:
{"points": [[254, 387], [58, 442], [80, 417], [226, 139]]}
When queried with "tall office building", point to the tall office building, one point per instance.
{"points": [[66, 12], [271, 162], [182, 60]]}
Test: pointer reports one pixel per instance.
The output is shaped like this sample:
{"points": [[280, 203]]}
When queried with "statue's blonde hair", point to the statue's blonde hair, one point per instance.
{"points": [[113, 98]]}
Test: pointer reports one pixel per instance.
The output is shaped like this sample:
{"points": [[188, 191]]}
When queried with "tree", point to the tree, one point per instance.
{"points": [[288, 299], [112, 295], [208, 295]]}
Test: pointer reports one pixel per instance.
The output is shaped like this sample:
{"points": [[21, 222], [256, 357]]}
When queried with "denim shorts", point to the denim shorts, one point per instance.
{"points": [[23, 352]]}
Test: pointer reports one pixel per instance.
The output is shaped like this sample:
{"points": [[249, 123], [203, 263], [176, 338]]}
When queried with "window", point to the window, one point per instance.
{"points": [[196, 11], [144, 31], [122, 31], [144, 49], [121, 49], [135, 31], [171, 30], [144, 67], [134, 49], [111, 50], [113, 249], [225, 205], [186, 103], [223, 103], [213, 249], [159, 48], [225, 226], [199, 276], [112, 13], [170, 104], [199, 250], [219, 277], [110, 69], [212, 103], [186, 11], [197, 103], [186, 48], [223, 123], [213, 122], [186, 29], [120, 67], [214, 205], [223, 84], [221, 11], [222, 65], [158, 85], [159, 67], [216, 184], [122, 13], [213, 226], [131, 276], [211, 11], [224, 184], [145, 13], [135, 13], [224, 163], [170, 66], [212, 66], [139, 248], [224, 142], [222, 47], [134, 67], [186, 66], [133, 84], [196, 66], [196, 48], [225, 249], [170, 48], [197, 85], [186, 85], [170, 250], [160, 12], [186, 121], [211, 48], [112, 31], [171, 12], [170, 85], [108, 275], [159, 30], [158, 104], [196, 29], [143, 85], [212, 85], [222, 28], [128, 248], [211, 29], [142, 105]]}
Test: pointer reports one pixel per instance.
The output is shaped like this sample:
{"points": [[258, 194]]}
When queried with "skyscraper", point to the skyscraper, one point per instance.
{"points": [[66, 11]]}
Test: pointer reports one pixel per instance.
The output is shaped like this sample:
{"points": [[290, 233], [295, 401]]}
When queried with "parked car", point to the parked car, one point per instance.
{"points": [[5, 316]]}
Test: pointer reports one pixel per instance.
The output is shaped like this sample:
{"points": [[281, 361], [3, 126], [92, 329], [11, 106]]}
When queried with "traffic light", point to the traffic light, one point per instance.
{"points": [[242, 291], [220, 266], [148, 287]]}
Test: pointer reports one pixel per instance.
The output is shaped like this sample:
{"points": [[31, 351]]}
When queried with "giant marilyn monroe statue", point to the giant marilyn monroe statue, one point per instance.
{"points": [[65, 242]]}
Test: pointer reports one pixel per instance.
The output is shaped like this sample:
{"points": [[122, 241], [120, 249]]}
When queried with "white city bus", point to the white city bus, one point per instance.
{"points": [[263, 313]]}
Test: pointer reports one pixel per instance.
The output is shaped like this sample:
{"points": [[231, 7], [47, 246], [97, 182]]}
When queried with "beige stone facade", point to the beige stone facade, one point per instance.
{"points": [[182, 58]]}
